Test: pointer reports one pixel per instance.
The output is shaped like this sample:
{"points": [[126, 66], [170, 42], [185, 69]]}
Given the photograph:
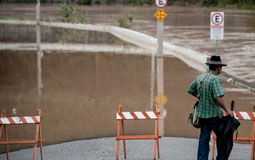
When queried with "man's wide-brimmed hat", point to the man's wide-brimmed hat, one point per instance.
{"points": [[215, 60]]}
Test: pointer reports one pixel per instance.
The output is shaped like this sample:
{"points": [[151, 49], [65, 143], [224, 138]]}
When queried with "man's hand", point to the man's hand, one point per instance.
{"points": [[229, 112], [220, 101]]}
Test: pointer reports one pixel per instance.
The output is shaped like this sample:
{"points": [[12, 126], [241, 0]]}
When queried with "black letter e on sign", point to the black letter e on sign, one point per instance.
{"points": [[217, 19]]}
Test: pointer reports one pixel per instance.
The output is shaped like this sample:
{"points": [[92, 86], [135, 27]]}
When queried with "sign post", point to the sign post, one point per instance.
{"points": [[39, 52], [217, 27], [160, 15]]}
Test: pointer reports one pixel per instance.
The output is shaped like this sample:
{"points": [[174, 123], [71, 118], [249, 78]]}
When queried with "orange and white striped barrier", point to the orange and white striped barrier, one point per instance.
{"points": [[20, 120], [250, 116], [150, 115], [136, 115], [4, 121], [243, 115]]}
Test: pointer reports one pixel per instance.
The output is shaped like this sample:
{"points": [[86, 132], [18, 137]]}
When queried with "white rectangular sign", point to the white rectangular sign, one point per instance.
{"points": [[217, 25]]}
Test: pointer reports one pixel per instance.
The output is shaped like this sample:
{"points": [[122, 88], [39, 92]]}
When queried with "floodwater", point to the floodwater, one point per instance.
{"points": [[190, 28], [183, 26]]}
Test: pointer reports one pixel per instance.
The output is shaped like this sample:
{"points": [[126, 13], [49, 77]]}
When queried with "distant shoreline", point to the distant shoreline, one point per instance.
{"points": [[174, 3]]}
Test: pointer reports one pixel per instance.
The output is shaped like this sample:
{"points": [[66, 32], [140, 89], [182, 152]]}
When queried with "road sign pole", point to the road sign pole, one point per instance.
{"points": [[160, 71], [160, 62], [160, 15]]}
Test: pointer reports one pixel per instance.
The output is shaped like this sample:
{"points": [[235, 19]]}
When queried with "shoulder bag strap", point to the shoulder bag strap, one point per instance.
{"points": [[201, 88]]}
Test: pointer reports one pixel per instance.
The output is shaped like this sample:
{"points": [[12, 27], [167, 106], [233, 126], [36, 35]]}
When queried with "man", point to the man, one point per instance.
{"points": [[207, 87]]}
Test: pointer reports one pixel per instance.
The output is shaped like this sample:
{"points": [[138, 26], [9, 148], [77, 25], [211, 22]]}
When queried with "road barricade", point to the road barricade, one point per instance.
{"points": [[5, 121], [250, 116], [149, 115]]}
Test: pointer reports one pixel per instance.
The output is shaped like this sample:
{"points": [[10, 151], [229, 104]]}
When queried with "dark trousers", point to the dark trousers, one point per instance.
{"points": [[207, 126]]}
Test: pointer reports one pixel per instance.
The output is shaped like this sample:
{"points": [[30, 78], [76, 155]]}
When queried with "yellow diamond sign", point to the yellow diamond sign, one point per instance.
{"points": [[161, 99], [160, 14]]}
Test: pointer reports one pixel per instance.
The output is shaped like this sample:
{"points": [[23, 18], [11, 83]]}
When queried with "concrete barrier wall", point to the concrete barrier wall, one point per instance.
{"points": [[194, 59]]}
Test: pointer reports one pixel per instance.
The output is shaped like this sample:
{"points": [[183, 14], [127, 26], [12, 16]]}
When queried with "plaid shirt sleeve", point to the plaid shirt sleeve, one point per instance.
{"points": [[217, 88], [193, 87]]}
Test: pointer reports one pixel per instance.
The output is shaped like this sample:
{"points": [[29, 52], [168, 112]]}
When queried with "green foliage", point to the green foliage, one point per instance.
{"points": [[208, 3], [69, 35], [98, 2], [245, 4], [19, 19], [72, 15], [85, 2], [80, 16], [124, 19], [45, 19], [221, 4], [180, 3], [236, 4], [66, 11], [150, 2], [11, 18], [138, 2]]}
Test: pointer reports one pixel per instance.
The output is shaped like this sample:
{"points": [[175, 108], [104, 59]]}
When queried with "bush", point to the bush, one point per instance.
{"points": [[71, 15], [67, 12], [124, 19], [208, 3], [138, 2], [86, 2], [45, 19]]}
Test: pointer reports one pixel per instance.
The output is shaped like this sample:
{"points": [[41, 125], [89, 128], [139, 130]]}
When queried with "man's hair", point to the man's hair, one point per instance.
{"points": [[213, 67]]}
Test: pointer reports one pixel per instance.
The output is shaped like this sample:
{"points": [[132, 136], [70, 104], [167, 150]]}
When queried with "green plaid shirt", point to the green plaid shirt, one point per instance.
{"points": [[207, 108]]}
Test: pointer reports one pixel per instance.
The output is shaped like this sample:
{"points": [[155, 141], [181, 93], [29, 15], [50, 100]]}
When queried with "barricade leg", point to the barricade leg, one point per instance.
{"points": [[118, 141], [0, 130], [36, 140], [41, 152], [253, 136], [1, 126], [124, 142], [39, 135], [252, 150], [156, 145], [158, 148], [155, 149], [6, 137], [213, 151]]}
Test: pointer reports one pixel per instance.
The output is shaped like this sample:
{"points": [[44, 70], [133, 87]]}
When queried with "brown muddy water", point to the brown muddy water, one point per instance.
{"points": [[82, 91], [184, 26]]}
